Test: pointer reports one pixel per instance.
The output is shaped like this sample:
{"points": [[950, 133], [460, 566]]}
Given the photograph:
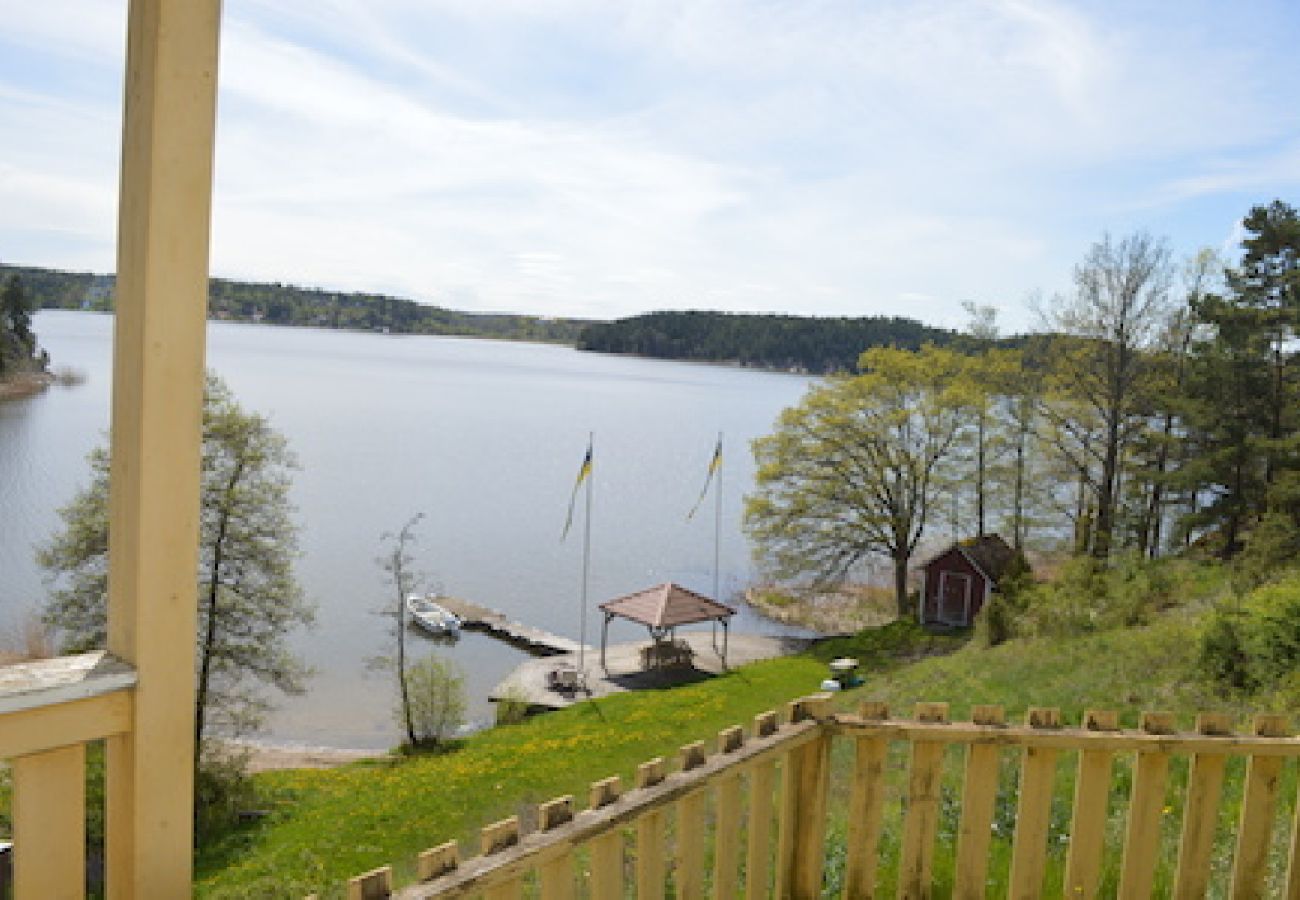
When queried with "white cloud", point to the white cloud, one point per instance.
{"points": [[590, 158]]}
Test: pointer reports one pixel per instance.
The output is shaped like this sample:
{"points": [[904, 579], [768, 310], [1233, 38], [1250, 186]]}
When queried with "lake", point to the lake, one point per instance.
{"points": [[484, 437]]}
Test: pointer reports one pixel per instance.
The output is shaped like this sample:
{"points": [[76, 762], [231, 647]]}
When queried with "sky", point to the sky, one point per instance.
{"points": [[600, 158]]}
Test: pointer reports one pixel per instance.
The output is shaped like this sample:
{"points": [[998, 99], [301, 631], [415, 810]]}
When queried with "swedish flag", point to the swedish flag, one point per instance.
{"points": [[715, 465], [584, 472]]}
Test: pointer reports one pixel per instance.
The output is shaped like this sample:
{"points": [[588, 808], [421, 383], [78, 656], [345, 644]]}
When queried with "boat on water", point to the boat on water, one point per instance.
{"points": [[432, 616]]}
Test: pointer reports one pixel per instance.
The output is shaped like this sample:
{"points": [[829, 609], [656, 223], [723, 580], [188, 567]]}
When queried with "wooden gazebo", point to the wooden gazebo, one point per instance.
{"points": [[661, 609]]}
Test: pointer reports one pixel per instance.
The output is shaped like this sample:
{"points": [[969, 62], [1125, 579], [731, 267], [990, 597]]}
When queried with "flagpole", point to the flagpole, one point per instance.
{"points": [[586, 566], [717, 524]]}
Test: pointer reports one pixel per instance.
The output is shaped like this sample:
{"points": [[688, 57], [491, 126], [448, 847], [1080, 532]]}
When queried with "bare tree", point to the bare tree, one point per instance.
{"points": [[1115, 318]]}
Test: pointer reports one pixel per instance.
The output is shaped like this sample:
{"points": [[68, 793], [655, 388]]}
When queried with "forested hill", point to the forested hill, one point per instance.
{"points": [[284, 304], [800, 343]]}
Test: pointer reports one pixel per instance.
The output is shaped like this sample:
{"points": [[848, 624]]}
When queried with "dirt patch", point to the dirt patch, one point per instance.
{"points": [[266, 757]]}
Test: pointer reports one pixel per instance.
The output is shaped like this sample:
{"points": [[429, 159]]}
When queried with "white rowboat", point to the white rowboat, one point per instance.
{"points": [[431, 616]]}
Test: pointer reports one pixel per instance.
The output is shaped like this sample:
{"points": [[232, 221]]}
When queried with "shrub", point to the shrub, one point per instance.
{"points": [[1256, 645], [436, 689]]}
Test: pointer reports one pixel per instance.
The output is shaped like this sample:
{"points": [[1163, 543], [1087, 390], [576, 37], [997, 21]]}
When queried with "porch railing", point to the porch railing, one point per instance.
{"points": [[772, 792]]}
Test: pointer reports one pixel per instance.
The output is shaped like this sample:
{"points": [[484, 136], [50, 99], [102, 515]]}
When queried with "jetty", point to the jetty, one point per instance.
{"points": [[535, 640]]}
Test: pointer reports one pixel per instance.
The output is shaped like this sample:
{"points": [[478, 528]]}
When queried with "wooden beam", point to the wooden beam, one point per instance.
{"points": [[164, 211], [49, 816], [63, 724]]}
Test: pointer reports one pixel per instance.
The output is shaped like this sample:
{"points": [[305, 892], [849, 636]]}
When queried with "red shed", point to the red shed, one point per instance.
{"points": [[956, 583]]}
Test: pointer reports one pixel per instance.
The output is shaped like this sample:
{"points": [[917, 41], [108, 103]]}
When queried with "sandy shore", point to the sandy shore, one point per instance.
{"points": [[265, 757]]}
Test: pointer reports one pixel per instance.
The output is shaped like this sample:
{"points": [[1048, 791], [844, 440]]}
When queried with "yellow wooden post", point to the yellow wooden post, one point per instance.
{"points": [[556, 876], [801, 839], [1142, 838], [161, 300], [1257, 805], [1091, 796], [866, 802], [650, 837], [1033, 815], [493, 839], [377, 884], [979, 793], [49, 818], [726, 857], [762, 783], [606, 850], [1201, 812], [690, 830], [922, 820]]}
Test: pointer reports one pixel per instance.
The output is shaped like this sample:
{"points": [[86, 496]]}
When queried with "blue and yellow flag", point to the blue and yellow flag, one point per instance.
{"points": [[715, 465], [584, 472]]}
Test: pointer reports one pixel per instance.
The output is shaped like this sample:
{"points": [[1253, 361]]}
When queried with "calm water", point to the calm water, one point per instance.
{"points": [[483, 437]]}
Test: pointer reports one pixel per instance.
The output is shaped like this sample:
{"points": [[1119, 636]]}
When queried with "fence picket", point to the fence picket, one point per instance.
{"points": [[650, 836], [979, 793], [726, 856], [1257, 805], [690, 830], [762, 784], [922, 819], [556, 875], [606, 850], [1201, 812], [1145, 809], [866, 802], [1033, 814], [1091, 797], [49, 819]]}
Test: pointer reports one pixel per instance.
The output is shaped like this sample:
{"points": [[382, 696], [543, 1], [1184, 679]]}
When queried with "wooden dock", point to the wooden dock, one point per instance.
{"points": [[534, 640]]}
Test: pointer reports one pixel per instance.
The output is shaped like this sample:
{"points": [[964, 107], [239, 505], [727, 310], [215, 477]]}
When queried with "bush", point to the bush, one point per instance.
{"points": [[1257, 644], [222, 789], [1095, 595], [436, 690]]}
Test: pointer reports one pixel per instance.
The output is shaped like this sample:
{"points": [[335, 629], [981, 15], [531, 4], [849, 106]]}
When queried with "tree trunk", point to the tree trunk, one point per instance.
{"points": [[979, 476], [905, 610]]}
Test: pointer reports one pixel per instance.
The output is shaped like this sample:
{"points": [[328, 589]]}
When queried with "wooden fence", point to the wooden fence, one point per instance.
{"points": [[681, 832]]}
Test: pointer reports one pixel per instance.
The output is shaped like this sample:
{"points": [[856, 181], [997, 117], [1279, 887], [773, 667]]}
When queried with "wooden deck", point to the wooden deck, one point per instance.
{"points": [[535, 640]]}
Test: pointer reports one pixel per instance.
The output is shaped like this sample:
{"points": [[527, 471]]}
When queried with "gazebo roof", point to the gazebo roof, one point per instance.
{"points": [[666, 606]]}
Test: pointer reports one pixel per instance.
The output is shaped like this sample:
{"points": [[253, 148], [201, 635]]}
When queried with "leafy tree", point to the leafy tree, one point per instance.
{"points": [[249, 599], [15, 307], [855, 468]]}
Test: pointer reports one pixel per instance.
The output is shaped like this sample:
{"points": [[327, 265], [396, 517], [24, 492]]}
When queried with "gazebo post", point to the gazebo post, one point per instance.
{"points": [[604, 638], [726, 633]]}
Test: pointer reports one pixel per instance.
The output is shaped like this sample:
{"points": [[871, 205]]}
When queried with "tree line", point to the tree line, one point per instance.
{"points": [[795, 343], [1159, 411], [284, 304]]}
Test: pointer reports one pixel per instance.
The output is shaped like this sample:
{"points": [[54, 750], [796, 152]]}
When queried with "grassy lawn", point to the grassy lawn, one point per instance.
{"points": [[328, 825]]}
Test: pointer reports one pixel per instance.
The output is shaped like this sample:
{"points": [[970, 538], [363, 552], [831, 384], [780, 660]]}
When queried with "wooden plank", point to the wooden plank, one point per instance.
{"points": [[758, 853], [377, 884], [1091, 800], [1033, 814], [979, 794], [1259, 797], [437, 861], [1068, 738], [802, 825], [1145, 808], [45, 682], [922, 819], [556, 876], [164, 219], [726, 853], [1201, 813], [866, 803], [690, 846], [49, 821], [44, 728], [606, 881], [650, 836]]}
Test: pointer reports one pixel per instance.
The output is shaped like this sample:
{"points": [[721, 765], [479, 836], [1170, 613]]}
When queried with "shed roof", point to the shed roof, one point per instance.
{"points": [[666, 606], [990, 554]]}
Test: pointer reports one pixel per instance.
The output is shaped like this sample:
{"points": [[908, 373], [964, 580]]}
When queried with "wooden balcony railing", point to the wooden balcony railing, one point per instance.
{"points": [[776, 785], [49, 711]]}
